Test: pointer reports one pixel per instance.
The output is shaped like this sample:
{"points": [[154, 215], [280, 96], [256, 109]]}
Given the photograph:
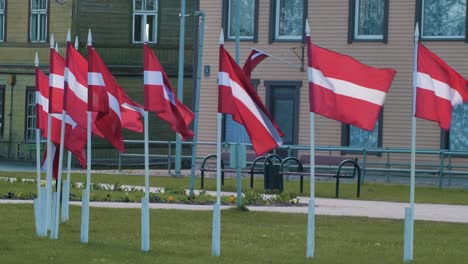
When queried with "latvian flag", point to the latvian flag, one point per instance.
{"points": [[161, 99], [343, 89], [238, 98], [439, 88], [255, 57]]}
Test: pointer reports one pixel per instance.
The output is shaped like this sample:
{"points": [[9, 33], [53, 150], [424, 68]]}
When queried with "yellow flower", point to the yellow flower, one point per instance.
{"points": [[232, 199], [170, 199]]}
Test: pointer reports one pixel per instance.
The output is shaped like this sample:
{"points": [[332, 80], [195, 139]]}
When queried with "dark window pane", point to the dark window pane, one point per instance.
{"points": [[444, 18], [150, 24], [459, 128], [290, 15], [42, 27], [370, 16], [137, 28], [34, 27], [151, 5], [138, 4], [363, 138], [246, 18]]}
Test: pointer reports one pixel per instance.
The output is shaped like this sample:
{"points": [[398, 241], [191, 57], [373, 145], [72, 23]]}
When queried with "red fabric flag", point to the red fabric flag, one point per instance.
{"points": [[255, 57], [104, 98], [238, 98], [56, 81], [439, 88], [343, 89], [161, 99], [72, 130], [76, 90], [132, 113]]}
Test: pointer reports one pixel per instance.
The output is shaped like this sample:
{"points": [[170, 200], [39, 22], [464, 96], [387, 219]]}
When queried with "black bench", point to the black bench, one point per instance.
{"points": [[324, 162], [251, 168]]}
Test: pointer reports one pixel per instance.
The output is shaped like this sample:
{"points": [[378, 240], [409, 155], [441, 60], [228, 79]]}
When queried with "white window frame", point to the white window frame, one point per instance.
{"points": [[232, 35], [2, 13], [356, 25], [143, 12], [38, 25], [438, 37], [277, 17]]}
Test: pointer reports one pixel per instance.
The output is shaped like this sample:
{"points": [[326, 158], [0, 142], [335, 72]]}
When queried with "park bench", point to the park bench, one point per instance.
{"points": [[342, 167], [251, 168]]}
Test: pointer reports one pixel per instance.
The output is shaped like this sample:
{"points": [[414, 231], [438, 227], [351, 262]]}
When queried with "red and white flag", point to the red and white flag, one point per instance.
{"points": [[255, 57], [56, 81], [439, 88], [103, 96], [132, 113], [161, 99], [238, 98], [76, 89], [72, 130], [343, 89], [55, 160]]}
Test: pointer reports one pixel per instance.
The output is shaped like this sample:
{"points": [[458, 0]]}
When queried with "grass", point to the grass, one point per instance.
{"points": [[369, 191], [247, 237]]}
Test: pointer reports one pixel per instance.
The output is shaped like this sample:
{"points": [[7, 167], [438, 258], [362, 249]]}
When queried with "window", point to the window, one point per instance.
{"points": [[355, 137], [2, 20], [288, 19], [457, 138], [38, 20], [30, 126], [368, 20], [2, 109], [248, 19], [443, 19], [145, 17]]}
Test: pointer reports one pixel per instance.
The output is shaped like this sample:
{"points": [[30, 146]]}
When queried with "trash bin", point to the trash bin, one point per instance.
{"points": [[273, 179]]}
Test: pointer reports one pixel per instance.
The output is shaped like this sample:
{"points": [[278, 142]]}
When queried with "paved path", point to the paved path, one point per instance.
{"points": [[338, 207]]}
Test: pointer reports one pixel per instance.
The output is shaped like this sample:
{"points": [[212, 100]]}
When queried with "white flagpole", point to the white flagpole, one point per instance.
{"points": [[37, 206], [66, 193], [311, 209], [49, 162], [279, 59], [216, 232], [87, 191], [145, 230], [409, 223]]}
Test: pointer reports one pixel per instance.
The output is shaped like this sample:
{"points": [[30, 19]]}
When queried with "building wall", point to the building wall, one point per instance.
{"points": [[329, 28]]}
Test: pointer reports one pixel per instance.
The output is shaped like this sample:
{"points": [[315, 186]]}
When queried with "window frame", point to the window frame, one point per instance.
{"points": [[46, 26], [32, 90], [3, 12], [352, 24], [420, 19], [2, 109], [274, 7], [143, 12], [225, 22], [345, 134]]}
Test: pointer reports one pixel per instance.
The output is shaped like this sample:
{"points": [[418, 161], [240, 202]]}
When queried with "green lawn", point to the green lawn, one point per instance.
{"points": [[247, 237], [369, 191]]}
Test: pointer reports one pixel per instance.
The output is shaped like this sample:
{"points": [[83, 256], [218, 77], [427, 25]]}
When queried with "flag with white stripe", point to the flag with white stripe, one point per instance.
{"points": [[343, 89], [56, 81], [439, 88], [103, 98], [238, 98], [132, 112], [161, 99], [255, 57]]}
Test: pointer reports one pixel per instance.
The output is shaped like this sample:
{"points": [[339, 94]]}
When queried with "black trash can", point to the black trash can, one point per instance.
{"points": [[273, 179]]}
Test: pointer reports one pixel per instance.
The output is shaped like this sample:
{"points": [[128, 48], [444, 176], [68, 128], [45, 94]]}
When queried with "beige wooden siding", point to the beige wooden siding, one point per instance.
{"points": [[329, 28]]}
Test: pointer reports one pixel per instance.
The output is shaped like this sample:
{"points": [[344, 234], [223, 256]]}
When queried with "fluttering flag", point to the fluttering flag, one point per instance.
{"points": [[161, 99], [255, 57], [103, 98], [72, 130], [55, 160], [439, 88], [56, 81], [132, 113], [238, 98], [343, 89]]}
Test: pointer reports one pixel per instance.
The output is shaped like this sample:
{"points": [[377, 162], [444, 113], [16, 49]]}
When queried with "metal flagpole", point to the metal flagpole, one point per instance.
{"points": [[66, 191], [409, 224], [87, 191], [145, 241], [216, 232], [279, 59], [37, 206], [180, 85], [49, 162], [311, 209], [197, 99], [238, 126]]}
